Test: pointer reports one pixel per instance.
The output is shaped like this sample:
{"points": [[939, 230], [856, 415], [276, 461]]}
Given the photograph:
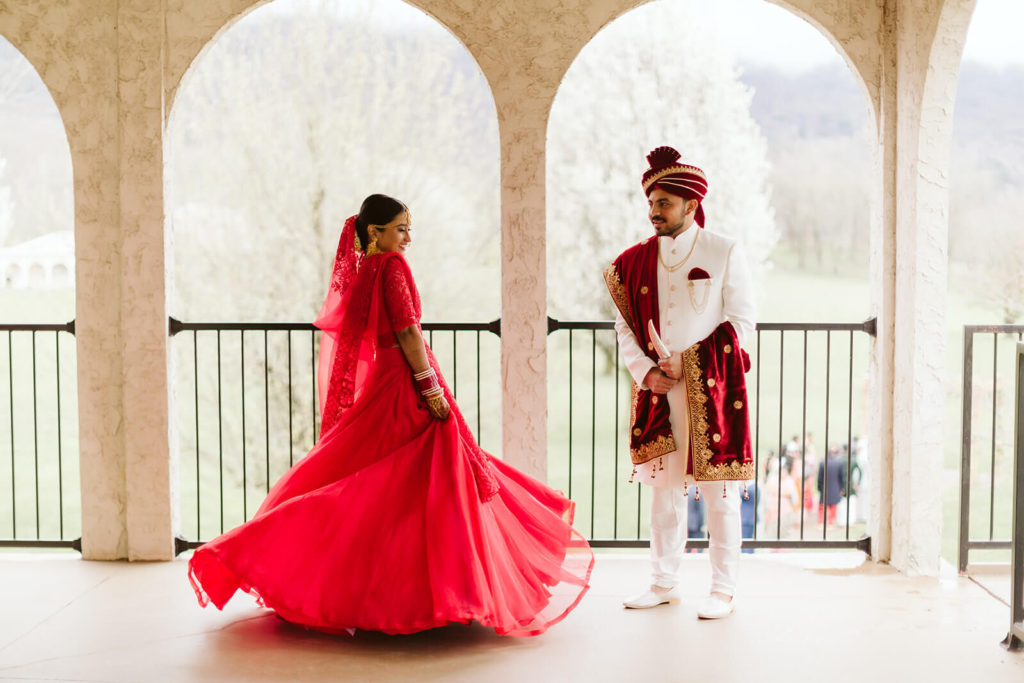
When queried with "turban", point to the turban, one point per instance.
{"points": [[682, 180]]}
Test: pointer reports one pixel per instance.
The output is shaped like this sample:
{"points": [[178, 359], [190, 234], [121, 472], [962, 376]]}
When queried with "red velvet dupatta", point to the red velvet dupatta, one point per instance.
{"points": [[713, 370], [716, 393], [632, 281]]}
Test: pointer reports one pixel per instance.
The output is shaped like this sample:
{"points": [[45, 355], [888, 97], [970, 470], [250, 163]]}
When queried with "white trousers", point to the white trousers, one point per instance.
{"points": [[668, 533]]}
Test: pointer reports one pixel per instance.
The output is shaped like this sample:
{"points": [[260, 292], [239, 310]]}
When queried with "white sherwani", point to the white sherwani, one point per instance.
{"points": [[688, 314]]}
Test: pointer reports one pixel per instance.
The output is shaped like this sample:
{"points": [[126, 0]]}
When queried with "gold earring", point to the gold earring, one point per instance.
{"points": [[372, 247]]}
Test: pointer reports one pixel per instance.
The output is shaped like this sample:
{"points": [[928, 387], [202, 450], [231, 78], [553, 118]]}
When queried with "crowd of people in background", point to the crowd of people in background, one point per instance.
{"points": [[800, 490]]}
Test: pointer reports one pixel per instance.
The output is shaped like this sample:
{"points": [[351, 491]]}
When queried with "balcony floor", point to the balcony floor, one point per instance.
{"points": [[800, 617]]}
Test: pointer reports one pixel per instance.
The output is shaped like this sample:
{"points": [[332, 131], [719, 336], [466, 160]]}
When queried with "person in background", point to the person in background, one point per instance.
{"points": [[748, 506], [831, 485]]}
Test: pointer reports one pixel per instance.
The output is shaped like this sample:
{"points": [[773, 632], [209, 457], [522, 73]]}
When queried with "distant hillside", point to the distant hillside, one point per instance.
{"points": [[822, 103], [988, 124], [988, 128]]}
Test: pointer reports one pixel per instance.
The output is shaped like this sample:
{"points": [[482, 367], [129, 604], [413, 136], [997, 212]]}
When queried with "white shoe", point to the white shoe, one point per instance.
{"points": [[716, 608], [652, 597]]}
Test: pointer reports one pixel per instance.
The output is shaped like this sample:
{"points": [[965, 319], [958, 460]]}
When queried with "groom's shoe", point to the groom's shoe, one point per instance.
{"points": [[652, 597], [714, 607]]}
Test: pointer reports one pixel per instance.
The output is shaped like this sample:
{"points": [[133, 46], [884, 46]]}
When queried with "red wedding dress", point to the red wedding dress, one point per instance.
{"points": [[395, 521]]}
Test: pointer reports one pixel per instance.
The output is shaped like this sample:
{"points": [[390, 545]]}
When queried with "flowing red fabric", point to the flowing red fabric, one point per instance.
{"points": [[395, 521]]}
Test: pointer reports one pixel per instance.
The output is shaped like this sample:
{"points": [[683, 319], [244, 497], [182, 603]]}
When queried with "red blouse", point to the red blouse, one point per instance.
{"points": [[401, 300]]}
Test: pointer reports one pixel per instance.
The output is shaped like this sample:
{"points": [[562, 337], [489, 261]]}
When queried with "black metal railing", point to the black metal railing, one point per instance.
{"points": [[247, 408], [588, 402], [39, 428], [986, 450], [1015, 637]]}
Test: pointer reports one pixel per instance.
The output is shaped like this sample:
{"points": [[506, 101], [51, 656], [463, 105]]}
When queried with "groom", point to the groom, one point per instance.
{"points": [[685, 307]]}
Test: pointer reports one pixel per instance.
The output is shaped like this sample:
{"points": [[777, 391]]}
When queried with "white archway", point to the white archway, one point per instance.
{"points": [[37, 413], [268, 151]]}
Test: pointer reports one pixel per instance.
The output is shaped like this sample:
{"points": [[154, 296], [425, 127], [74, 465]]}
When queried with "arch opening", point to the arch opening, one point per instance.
{"points": [[292, 116], [985, 283], [38, 412], [763, 102]]}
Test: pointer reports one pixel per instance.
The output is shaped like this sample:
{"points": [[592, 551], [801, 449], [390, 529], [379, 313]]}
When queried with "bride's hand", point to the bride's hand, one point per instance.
{"points": [[438, 407]]}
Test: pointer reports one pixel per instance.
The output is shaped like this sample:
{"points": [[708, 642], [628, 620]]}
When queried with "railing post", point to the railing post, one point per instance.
{"points": [[1015, 638], [965, 450]]}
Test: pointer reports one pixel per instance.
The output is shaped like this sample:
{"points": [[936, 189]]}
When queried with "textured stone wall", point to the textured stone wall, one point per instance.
{"points": [[144, 339], [929, 42], [114, 68], [74, 48]]}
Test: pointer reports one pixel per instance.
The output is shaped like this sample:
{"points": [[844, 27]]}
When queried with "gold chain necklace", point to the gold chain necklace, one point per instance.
{"points": [[679, 265]]}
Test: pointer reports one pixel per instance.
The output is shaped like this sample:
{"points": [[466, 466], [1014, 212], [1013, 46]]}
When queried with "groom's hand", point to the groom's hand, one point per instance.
{"points": [[658, 382], [672, 366]]}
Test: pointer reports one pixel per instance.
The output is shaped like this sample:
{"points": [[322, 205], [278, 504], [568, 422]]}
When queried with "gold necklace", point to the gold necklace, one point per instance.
{"points": [[679, 265]]}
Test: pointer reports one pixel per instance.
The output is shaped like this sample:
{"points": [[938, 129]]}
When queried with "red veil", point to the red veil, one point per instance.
{"points": [[348, 319]]}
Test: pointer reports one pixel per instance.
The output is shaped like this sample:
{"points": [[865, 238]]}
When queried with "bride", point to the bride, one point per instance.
{"points": [[396, 521]]}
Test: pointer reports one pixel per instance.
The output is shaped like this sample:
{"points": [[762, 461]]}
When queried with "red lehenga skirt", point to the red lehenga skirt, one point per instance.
{"points": [[381, 528]]}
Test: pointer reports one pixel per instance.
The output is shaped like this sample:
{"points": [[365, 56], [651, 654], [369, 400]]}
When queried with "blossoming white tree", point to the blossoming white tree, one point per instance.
{"points": [[292, 117], [650, 78], [6, 205]]}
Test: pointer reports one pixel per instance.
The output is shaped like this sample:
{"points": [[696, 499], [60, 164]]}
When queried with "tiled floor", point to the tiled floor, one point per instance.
{"points": [[800, 617]]}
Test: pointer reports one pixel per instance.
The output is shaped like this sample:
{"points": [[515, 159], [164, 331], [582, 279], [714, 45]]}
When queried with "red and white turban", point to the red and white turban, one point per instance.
{"points": [[668, 174]]}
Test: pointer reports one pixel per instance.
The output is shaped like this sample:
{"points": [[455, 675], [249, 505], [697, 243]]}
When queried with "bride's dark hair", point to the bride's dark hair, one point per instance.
{"points": [[377, 209]]}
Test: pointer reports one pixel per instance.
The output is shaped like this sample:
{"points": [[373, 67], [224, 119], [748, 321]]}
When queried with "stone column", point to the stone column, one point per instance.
{"points": [[923, 55], [74, 48], [883, 296], [524, 292], [103, 63], [149, 478]]}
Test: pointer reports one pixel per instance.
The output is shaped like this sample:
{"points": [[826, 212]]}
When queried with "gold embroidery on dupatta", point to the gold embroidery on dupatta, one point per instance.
{"points": [[618, 292], [700, 448], [634, 398], [662, 444], [652, 449]]}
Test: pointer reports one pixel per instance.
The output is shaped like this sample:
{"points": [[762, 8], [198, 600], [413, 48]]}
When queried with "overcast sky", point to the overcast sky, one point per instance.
{"points": [[994, 36], [760, 33]]}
